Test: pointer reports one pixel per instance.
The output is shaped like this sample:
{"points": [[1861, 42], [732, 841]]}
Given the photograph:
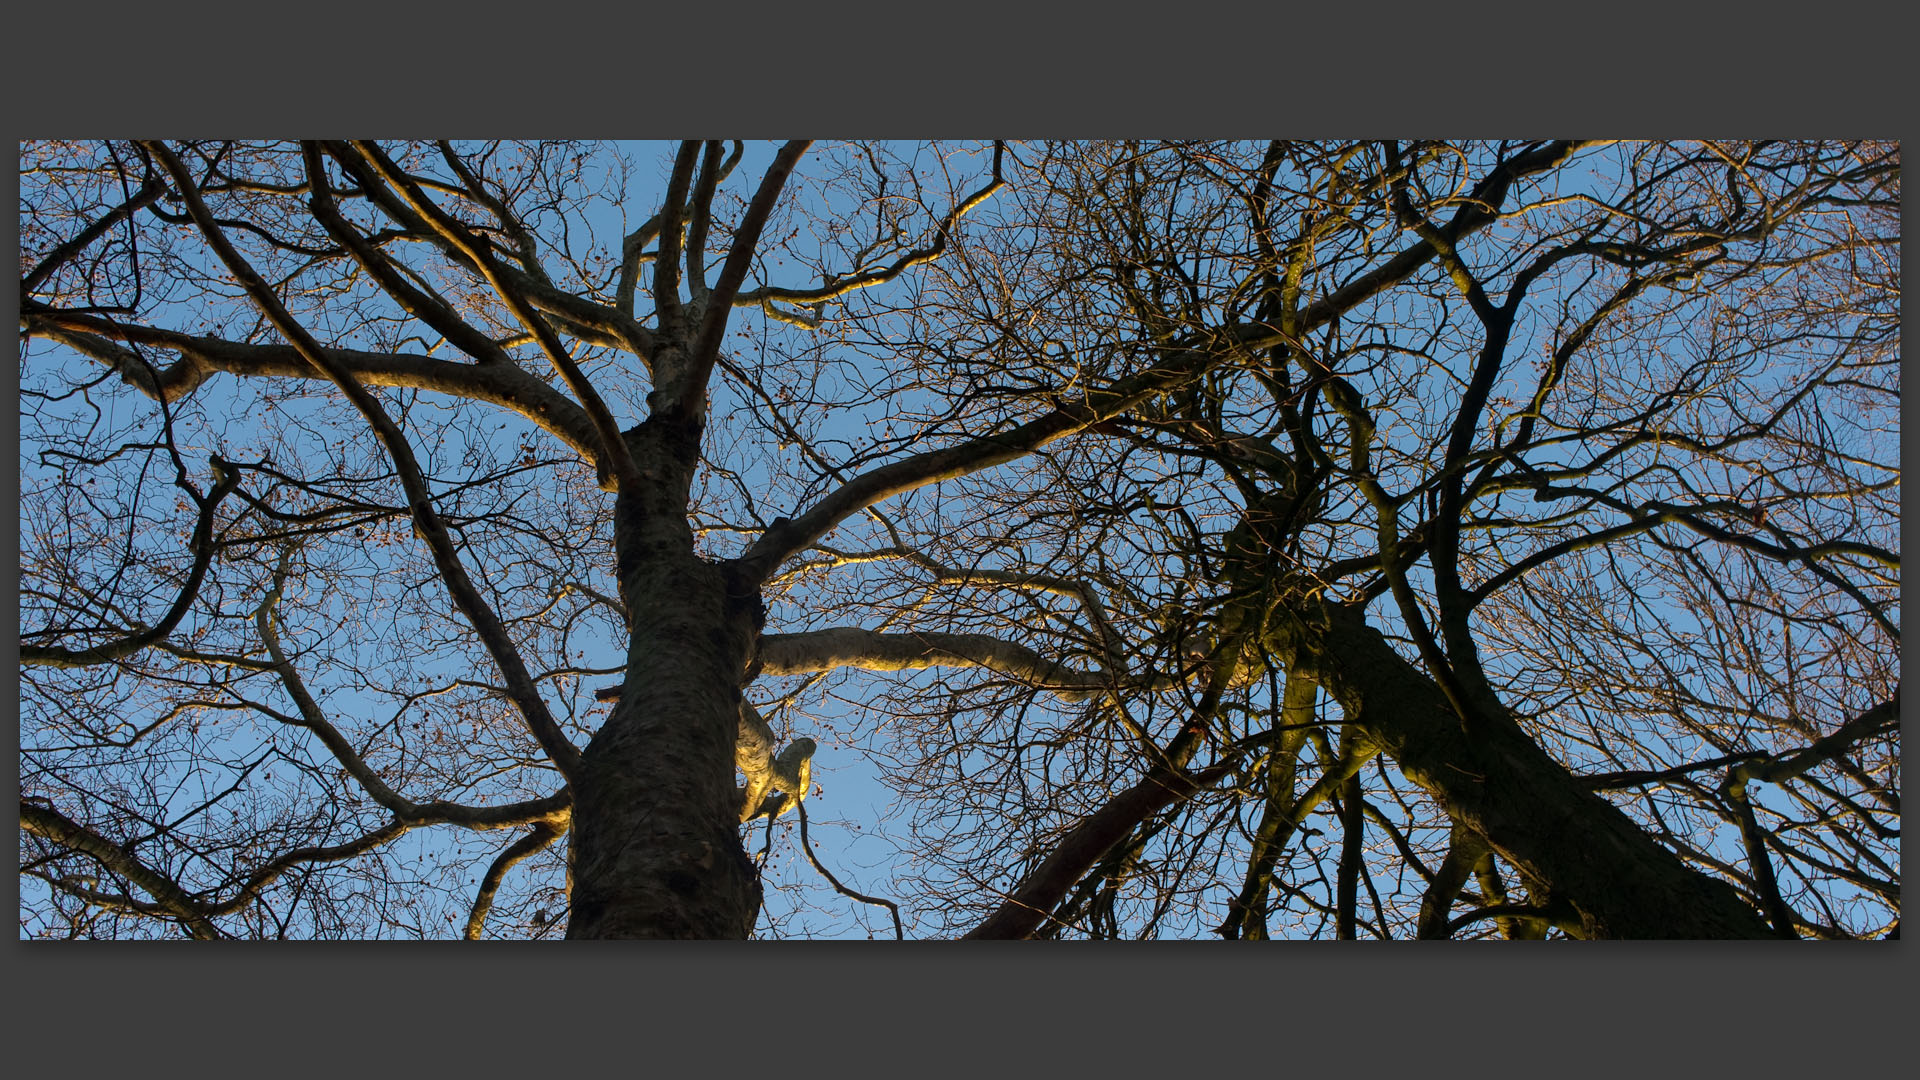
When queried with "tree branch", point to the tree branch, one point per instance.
{"points": [[806, 845], [746, 240], [226, 479], [1023, 912], [1499, 782], [44, 821], [845, 646], [616, 464], [505, 385], [833, 290], [520, 685], [149, 192], [785, 537], [543, 835]]}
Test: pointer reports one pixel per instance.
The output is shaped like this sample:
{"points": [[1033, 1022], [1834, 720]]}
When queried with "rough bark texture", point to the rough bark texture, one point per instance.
{"points": [[656, 849]]}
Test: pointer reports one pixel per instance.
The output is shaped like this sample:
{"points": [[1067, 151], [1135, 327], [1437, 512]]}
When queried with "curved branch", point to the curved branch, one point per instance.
{"points": [[806, 845], [519, 684], [1021, 914], [617, 464], [766, 297], [746, 240], [271, 872], [149, 192], [1498, 782], [1734, 789], [1464, 852], [505, 385], [552, 808], [225, 480], [666, 267], [786, 537], [542, 837], [414, 300], [1088, 597], [1518, 912]]}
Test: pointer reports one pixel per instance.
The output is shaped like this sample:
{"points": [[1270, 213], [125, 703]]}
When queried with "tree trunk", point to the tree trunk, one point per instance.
{"points": [[656, 847], [1497, 781]]}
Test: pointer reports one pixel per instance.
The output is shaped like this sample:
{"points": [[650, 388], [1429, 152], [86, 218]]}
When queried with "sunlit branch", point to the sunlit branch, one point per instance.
{"points": [[617, 464], [851, 647], [520, 686], [414, 299], [507, 386], [766, 297], [1475, 214], [1282, 813], [1734, 790], [44, 821], [1082, 592], [1516, 912], [510, 223], [666, 267], [542, 837], [786, 537], [703, 192], [1464, 852], [746, 240]]}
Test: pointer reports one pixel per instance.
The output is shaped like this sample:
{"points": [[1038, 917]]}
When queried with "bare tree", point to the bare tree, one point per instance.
{"points": [[1602, 438], [1157, 441]]}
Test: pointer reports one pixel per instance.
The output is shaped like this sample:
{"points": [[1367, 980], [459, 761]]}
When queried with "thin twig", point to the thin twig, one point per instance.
{"points": [[807, 846]]}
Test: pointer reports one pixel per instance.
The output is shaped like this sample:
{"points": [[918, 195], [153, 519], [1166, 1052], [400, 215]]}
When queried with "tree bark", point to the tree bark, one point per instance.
{"points": [[656, 847]]}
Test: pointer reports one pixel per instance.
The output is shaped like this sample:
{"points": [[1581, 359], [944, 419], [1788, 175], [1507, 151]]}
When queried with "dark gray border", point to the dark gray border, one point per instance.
{"points": [[1018, 71]]}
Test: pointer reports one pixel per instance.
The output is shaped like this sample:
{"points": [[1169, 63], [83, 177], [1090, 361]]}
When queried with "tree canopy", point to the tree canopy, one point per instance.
{"points": [[1397, 539]]}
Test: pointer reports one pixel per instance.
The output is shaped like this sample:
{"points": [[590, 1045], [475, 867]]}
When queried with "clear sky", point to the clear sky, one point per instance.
{"points": [[854, 818]]}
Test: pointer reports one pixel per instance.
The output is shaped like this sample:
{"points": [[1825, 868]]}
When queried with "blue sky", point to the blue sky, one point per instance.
{"points": [[855, 819]]}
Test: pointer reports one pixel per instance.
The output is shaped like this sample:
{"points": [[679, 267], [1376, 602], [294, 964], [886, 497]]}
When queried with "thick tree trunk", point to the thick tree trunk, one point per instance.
{"points": [[1494, 779], [656, 848]]}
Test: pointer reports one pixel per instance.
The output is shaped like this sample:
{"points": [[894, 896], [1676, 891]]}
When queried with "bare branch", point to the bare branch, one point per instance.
{"points": [[838, 647], [616, 464], [44, 821], [542, 837], [149, 192], [520, 686], [746, 240], [806, 845], [767, 296], [226, 479]]}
